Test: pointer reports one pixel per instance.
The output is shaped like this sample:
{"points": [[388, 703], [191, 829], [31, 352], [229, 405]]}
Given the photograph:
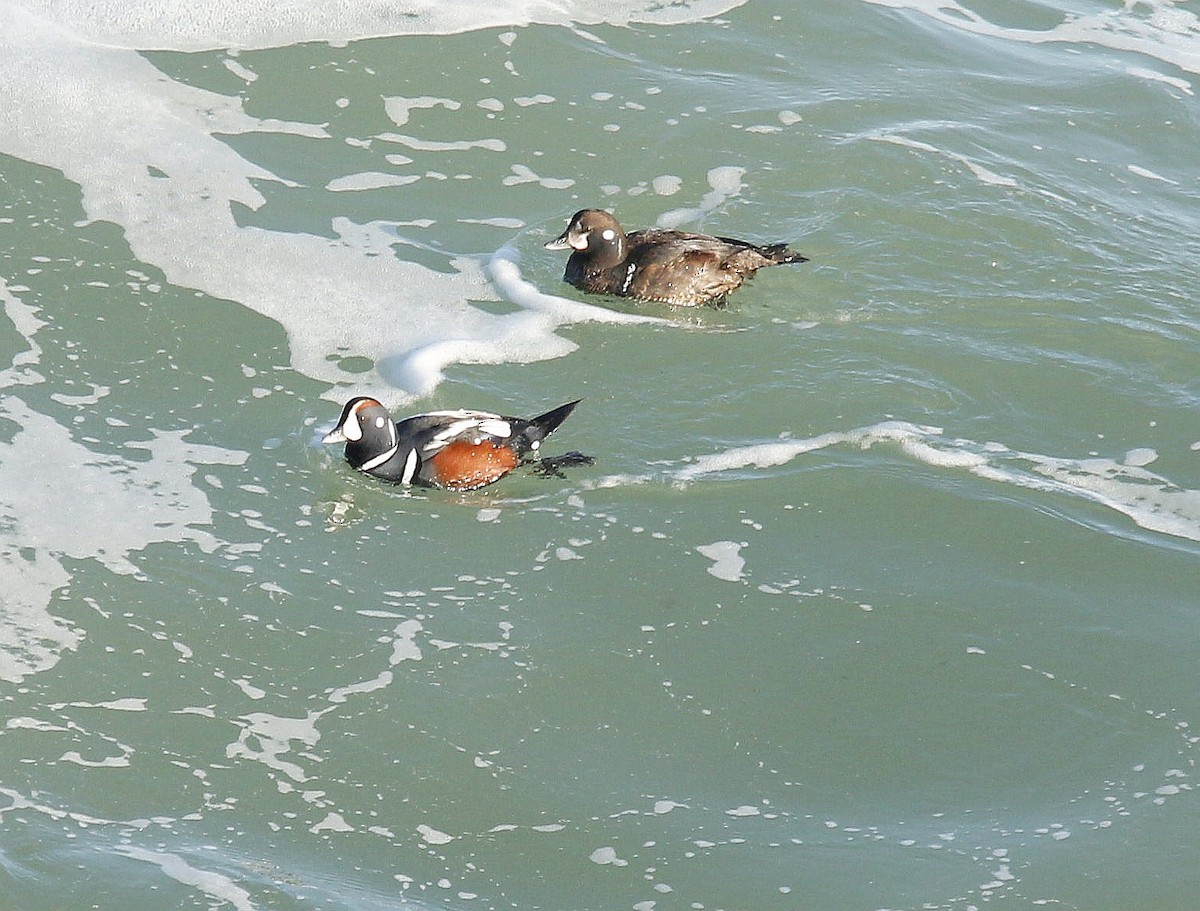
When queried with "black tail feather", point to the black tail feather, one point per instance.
{"points": [[545, 424], [777, 254]]}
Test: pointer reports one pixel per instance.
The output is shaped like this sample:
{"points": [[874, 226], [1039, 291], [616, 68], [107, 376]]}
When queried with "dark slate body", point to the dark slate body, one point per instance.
{"points": [[668, 267]]}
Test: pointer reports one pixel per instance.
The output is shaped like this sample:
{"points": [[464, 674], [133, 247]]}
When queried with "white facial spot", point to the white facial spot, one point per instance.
{"points": [[608, 234], [352, 430], [535, 445], [380, 421]]}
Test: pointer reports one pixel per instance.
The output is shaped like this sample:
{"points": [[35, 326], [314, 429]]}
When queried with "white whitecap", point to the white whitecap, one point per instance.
{"points": [[1150, 175], [1156, 28], [217, 887], [1151, 501], [983, 174]]}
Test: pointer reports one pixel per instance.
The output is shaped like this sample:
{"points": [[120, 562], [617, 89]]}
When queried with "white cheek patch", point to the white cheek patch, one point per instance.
{"points": [[351, 429], [608, 234], [578, 241], [379, 422]]}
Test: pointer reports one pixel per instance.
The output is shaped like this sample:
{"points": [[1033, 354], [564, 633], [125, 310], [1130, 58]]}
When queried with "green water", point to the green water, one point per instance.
{"points": [[881, 594]]}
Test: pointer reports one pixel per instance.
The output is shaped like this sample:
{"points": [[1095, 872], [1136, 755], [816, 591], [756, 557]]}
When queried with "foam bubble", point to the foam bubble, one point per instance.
{"points": [[725, 182], [1141, 457], [728, 563], [268, 738], [370, 180], [607, 856], [667, 184], [399, 108]]}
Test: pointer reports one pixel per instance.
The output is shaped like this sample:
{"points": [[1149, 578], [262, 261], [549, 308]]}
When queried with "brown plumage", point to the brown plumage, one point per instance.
{"points": [[668, 267]]}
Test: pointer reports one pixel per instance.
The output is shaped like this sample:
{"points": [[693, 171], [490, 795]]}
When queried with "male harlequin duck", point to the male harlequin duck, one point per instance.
{"points": [[454, 450], [668, 267]]}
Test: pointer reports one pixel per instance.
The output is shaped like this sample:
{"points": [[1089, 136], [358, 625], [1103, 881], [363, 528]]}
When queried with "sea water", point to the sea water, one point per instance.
{"points": [[883, 591]]}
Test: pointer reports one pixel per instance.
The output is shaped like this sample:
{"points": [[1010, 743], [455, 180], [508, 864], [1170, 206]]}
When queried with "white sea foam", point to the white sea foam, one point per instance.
{"points": [[1154, 76], [217, 887], [1149, 175], [985, 175], [1156, 28], [184, 26], [370, 180], [151, 500], [147, 154], [1127, 487], [552, 310], [267, 738], [728, 562], [724, 183], [399, 108], [436, 145]]}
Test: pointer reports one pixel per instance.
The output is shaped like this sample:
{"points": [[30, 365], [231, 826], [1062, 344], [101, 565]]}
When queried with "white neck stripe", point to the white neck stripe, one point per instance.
{"points": [[379, 459]]}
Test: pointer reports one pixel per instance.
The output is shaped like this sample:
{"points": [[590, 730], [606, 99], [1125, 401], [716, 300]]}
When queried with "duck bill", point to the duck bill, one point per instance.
{"points": [[559, 243], [334, 436]]}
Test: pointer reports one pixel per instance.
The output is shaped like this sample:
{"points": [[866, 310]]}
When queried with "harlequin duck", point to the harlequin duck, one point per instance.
{"points": [[455, 450], [668, 267]]}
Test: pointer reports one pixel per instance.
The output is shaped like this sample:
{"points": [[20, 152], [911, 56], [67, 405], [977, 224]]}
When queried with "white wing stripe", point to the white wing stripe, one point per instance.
{"points": [[486, 424]]}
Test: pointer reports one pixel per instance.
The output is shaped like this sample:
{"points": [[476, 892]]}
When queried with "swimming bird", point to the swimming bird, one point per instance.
{"points": [[454, 450], [668, 267]]}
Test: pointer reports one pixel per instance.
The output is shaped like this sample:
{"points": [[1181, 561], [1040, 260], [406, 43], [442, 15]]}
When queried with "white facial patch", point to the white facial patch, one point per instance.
{"points": [[351, 429], [379, 422], [578, 241], [608, 234]]}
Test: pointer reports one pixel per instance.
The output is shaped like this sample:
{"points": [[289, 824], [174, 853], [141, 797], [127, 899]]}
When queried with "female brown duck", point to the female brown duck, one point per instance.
{"points": [[668, 267]]}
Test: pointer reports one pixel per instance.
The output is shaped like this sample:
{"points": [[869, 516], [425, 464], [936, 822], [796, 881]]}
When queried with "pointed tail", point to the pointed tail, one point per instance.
{"points": [[545, 424]]}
